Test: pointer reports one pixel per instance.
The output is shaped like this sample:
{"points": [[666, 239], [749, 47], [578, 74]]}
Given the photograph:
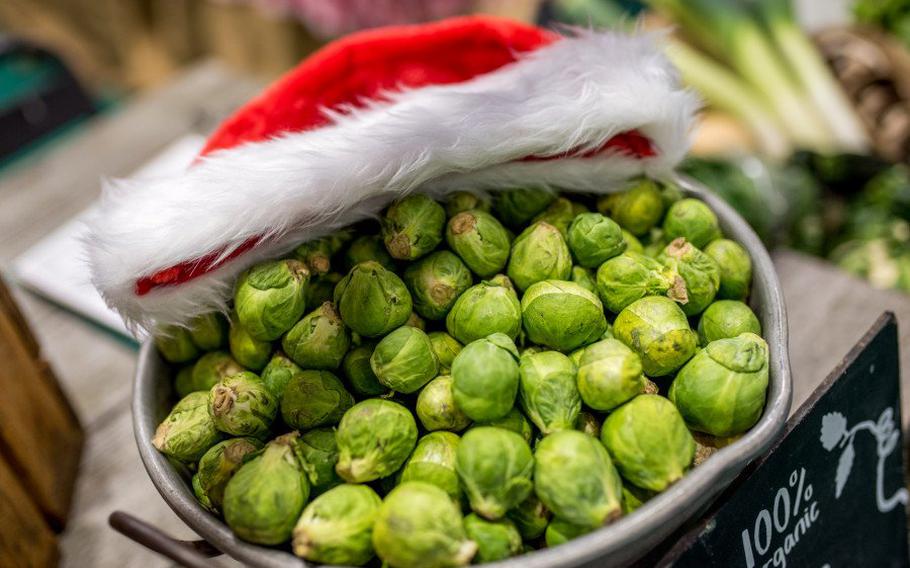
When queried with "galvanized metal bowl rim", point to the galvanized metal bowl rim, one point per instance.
{"points": [[681, 500]]}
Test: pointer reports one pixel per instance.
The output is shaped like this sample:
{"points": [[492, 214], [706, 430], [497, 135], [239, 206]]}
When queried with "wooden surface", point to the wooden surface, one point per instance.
{"points": [[40, 436], [829, 311], [25, 538]]}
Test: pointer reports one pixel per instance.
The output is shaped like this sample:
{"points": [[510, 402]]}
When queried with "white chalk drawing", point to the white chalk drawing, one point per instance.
{"points": [[834, 434]]}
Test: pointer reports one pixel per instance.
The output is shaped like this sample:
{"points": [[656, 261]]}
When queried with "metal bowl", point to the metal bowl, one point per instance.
{"points": [[617, 544]]}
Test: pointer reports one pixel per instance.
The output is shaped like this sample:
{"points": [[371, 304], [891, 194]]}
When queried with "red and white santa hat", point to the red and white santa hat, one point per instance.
{"points": [[471, 103]]}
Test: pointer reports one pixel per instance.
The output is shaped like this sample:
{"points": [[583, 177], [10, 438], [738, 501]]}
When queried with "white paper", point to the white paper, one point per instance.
{"points": [[55, 266]]}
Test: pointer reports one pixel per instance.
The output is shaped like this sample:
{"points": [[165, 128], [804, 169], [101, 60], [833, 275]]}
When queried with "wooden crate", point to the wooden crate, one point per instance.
{"points": [[40, 445]]}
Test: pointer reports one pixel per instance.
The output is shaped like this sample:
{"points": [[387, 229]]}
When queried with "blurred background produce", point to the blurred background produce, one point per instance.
{"points": [[806, 134]]}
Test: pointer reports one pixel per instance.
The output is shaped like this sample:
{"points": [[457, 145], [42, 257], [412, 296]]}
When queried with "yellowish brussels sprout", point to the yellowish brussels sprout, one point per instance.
{"points": [[693, 220], [485, 375], [264, 499], [722, 390], [412, 226], [270, 297], [337, 527], [484, 309], [372, 301], [658, 331], [241, 405], [649, 442], [539, 253], [495, 467], [419, 526], [547, 392], [496, 540], [575, 478], [375, 437], [480, 240], [188, 431], [562, 315]]}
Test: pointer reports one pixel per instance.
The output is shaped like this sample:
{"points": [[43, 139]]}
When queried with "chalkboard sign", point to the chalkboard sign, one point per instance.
{"points": [[831, 492]]}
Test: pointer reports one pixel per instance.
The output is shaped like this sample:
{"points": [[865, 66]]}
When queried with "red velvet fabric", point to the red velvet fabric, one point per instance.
{"points": [[361, 66]]}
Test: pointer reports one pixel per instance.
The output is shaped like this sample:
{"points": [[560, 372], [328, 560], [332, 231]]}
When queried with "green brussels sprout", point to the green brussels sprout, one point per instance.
{"points": [[560, 531], [404, 360], [547, 392], [278, 373], [575, 478], [460, 201], [445, 347], [433, 461], [270, 297], [217, 466], [264, 499], [480, 240], [495, 467], [636, 209], [633, 497], [319, 340], [372, 300], [416, 321], [726, 318], [485, 377], [560, 214], [632, 242], [317, 451], [175, 344], [735, 268], [317, 254], [435, 282], [584, 277], [321, 290], [514, 421], [246, 349], [609, 374], [670, 193], [588, 423], [692, 219], [562, 315], [209, 331], [649, 442], [699, 271], [496, 540], [515, 207], [413, 226], [356, 367], [721, 391], [241, 405], [368, 248], [630, 276], [658, 331], [337, 526], [188, 431], [375, 437], [183, 381], [530, 517], [419, 526], [486, 308], [436, 408], [539, 253], [314, 398], [208, 371], [594, 239]]}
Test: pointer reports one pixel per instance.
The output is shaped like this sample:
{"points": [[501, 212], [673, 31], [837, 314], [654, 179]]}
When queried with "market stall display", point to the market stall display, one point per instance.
{"points": [[312, 275]]}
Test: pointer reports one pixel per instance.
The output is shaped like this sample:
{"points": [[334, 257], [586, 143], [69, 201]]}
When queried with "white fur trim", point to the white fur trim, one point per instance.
{"points": [[576, 92]]}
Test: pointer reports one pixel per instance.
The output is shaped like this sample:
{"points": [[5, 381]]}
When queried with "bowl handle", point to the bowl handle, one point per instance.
{"points": [[190, 553]]}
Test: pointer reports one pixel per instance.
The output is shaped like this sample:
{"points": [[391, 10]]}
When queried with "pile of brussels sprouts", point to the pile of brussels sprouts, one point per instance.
{"points": [[469, 380]]}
